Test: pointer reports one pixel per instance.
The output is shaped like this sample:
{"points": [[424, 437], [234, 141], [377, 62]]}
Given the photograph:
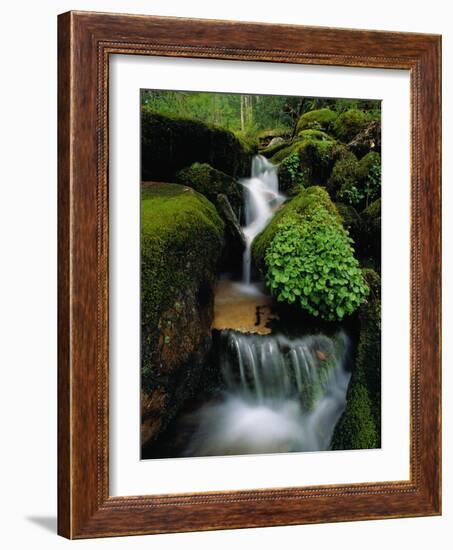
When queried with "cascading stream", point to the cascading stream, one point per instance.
{"points": [[281, 395], [261, 199]]}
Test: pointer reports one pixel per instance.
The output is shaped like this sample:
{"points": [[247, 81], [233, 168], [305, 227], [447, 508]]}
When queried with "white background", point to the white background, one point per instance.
{"points": [[129, 475], [28, 271]]}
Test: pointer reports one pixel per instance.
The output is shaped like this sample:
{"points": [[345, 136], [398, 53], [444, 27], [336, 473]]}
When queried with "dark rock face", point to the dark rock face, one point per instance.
{"points": [[234, 237], [169, 144], [181, 243], [352, 222], [369, 139], [370, 238]]}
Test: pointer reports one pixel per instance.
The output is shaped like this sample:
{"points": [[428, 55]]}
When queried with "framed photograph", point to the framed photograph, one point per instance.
{"points": [[249, 275]]}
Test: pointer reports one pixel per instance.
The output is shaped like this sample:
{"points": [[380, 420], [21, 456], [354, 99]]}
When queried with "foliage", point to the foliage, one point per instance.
{"points": [[291, 176], [343, 178], [369, 172], [302, 203], [248, 114], [316, 152], [309, 260], [320, 119], [356, 183], [210, 182], [349, 124]]}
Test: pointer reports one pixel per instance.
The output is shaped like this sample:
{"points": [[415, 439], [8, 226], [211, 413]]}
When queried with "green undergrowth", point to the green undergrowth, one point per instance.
{"points": [[308, 259]]}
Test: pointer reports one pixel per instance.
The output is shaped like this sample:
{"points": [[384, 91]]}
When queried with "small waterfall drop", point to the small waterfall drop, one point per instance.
{"points": [[281, 395], [261, 199]]}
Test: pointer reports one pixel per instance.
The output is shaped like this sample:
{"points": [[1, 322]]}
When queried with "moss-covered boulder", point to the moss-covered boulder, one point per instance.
{"points": [[307, 258], [274, 148], [210, 182], [319, 119], [169, 144], [349, 124], [356, 183], [360, 425], [308, 161], [343, 182], [352, 222], [371, 233], [182, 238]]}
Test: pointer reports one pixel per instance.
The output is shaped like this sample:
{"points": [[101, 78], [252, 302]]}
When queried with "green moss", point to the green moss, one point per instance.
{"points": [[269, 152], [368, 163], [343, 181], [349, 124], [181, 241], [169, 144], [299, 205], [314, 135], [308, 258], [316, 156], [356, 428], [210, 182], [354, 182], [320, 119], [360, 424]]}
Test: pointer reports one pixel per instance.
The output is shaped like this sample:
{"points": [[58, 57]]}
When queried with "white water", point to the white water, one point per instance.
{"points": [[281, 395], [261, 199]]}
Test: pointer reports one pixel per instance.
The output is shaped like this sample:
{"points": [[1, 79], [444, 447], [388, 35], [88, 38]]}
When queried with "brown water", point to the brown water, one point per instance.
{"points": [[242, 307]]}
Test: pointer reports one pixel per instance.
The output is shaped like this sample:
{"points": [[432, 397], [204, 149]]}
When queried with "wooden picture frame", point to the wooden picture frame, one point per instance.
{"points": [[85, 41]]}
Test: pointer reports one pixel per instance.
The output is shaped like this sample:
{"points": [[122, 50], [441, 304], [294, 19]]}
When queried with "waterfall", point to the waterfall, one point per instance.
{"points": [[261, 198], [282, 394]]}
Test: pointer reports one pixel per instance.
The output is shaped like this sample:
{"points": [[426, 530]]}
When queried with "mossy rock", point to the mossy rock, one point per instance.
{"points": [[319, 119], [368, 139], [210, 182], [360, 425], [352, 222], [182, 237], [169, 144], [367, 163], [356, 183], [271, 150], [308, 161], [371, 233], [307, 258], [349, 124], [344, 179], [356, 428]]}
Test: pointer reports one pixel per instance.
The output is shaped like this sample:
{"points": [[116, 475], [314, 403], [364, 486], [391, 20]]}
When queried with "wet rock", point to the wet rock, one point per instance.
{"points": [[210, 182], [181, 241], [234, 237]]}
